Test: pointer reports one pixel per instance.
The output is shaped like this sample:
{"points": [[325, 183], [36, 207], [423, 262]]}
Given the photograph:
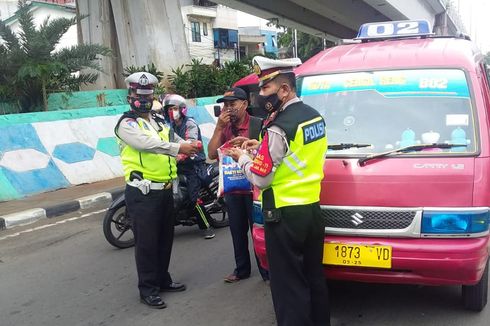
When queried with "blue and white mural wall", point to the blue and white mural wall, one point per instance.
{"points": [[50, 150]]}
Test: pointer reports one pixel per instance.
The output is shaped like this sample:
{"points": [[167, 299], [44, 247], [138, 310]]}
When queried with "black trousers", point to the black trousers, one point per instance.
{"points": [[239, 208], [295, 253], [193, 187], [153, 228]]}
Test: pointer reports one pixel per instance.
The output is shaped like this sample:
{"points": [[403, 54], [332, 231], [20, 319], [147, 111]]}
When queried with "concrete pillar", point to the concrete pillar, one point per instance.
{"points": [[139, 33], [150, 31], [99, 28]]}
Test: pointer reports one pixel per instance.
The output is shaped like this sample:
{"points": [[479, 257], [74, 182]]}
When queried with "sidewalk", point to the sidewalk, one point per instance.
{"points": [[59, 202]]}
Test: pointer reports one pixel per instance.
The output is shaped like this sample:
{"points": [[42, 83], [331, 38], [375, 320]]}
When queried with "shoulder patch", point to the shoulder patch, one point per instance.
{"points": [[262, 164], [132, 123], [313, 131], [145, 126]]}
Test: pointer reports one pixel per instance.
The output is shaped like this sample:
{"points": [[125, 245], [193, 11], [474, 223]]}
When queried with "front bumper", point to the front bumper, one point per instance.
{"points": [[414, 260]]}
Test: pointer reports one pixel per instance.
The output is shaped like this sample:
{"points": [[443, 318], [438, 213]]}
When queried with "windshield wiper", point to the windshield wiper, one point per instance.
{"points": [[411, 148], [341, 146]]}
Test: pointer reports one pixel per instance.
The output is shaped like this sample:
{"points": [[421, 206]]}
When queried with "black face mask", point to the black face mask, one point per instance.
{"points": [[269, 103], [140, 105]]}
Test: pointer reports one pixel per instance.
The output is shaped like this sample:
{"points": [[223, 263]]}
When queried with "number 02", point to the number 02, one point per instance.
{"points": [[408, 28]]}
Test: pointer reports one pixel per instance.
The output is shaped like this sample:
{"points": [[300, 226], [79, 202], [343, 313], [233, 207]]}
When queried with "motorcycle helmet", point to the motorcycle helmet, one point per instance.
{"points": [[175, 100]]}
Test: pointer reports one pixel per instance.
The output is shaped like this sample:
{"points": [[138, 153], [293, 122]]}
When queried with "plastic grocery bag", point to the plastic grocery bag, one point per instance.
{"points": [[231, 177]]}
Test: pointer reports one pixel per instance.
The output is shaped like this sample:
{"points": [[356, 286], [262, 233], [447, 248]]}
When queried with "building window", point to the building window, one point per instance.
{"points": [[204, 29], [196, 31], [225, 38], [204, 3], [274, 43]]}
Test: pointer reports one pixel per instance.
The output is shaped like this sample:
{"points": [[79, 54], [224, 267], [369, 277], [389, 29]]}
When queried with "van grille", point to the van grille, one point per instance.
{"points": [[367, 219]]}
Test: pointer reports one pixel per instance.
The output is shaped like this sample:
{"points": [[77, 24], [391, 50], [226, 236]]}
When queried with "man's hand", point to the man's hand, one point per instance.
{"points": [[238, 141], [250, 145], [188, 149], [223, 119], [181, 157], [234, 152]]}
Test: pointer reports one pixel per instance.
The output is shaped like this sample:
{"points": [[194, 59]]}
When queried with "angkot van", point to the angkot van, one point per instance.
{"points": [[406, 191]]}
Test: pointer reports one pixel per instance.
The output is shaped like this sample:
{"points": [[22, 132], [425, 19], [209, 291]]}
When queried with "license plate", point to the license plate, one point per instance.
{"points": [[357, 255]]}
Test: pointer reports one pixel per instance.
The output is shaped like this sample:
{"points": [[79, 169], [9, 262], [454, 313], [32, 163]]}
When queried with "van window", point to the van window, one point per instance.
{"points": [[393, 109]]}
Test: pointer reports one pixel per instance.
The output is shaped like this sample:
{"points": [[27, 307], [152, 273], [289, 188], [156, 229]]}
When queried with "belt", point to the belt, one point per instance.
{"points": [[153, 185]]}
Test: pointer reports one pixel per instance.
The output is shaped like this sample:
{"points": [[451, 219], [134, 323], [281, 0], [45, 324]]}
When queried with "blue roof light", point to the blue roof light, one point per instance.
{"points": [[394, 29]]}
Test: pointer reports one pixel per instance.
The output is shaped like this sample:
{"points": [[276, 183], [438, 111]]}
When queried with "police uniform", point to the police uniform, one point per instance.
{"points": [[148, 159], [289, 170]]}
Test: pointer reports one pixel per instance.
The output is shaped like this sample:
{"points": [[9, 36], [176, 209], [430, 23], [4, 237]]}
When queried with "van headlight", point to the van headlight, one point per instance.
{"points": [[455, 222]]}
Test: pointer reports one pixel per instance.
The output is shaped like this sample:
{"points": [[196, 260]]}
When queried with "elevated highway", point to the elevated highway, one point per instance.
{"points": [[152, 31]]}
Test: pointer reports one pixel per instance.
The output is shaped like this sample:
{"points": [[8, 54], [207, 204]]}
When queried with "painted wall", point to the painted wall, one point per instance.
{"points": [[45, 151]]}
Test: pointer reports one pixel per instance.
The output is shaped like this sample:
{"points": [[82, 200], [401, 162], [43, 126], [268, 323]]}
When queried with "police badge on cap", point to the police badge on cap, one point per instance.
{"points": [[267, 69], [142, 82]]}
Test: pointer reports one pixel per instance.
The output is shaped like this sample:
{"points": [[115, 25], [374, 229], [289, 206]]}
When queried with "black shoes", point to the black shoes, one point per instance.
{"points": [[173, 287], [153, 301]]}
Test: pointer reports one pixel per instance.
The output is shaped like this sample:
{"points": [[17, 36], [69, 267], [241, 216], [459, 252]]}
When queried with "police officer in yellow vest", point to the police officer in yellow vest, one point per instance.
{"points": [[288, 168], [148, 158]]}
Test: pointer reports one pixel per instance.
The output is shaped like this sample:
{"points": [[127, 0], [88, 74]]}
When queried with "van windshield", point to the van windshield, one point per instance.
{"points": [[387, 110]]}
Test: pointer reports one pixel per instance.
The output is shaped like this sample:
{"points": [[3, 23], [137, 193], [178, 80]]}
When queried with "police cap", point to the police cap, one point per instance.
{"points": [[142, 82], [267, 69]]}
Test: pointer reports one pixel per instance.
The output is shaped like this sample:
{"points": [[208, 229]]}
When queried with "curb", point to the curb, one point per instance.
{"points": [[31, 215]]}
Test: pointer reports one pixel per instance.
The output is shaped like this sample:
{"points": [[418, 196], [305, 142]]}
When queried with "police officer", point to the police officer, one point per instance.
{"points": [[289, 168], [148, 159], [176, 108]]}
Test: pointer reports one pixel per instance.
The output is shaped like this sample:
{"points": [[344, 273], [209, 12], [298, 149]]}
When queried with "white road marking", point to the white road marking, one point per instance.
{"points": [[53, 224]]}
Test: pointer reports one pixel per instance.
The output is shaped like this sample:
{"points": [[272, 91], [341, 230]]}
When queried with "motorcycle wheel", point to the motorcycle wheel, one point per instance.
{"points": [[117, 228], [219, 220]]}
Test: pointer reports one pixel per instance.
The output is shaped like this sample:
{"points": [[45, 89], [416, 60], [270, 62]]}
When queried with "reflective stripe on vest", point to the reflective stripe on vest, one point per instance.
{"points": [[155, 167], [297, 179]]}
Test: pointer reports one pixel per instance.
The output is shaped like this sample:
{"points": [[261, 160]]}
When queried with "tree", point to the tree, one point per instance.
{"points": [[152, 69], [198, 80], [308, 45], [30, 67], [487, 58]]}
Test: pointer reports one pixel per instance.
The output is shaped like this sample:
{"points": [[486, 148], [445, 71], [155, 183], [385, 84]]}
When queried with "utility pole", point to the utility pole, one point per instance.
{"points": [[295, 52]]}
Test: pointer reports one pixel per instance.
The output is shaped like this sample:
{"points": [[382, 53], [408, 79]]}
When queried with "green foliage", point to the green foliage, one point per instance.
{"points": [[30, 67], [487, 58], [201, 80], [152, 69], [231, 72], [308, 45], [247, 60]]}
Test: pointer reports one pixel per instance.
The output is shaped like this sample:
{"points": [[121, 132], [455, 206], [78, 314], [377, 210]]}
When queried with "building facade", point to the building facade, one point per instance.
{"points": [[211, 31], [40, 11]]}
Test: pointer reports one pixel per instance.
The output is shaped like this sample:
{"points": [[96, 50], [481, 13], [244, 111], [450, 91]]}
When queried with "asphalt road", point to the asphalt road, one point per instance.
{"points": [[62, 272]]}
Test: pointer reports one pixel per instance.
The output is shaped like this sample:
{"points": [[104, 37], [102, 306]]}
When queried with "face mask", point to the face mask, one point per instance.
{"points": [[176, 115], [269, 103], [140, 105]]}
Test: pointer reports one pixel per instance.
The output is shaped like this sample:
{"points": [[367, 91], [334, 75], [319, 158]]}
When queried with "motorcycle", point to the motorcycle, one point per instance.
{"points": [[117, 225]]}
